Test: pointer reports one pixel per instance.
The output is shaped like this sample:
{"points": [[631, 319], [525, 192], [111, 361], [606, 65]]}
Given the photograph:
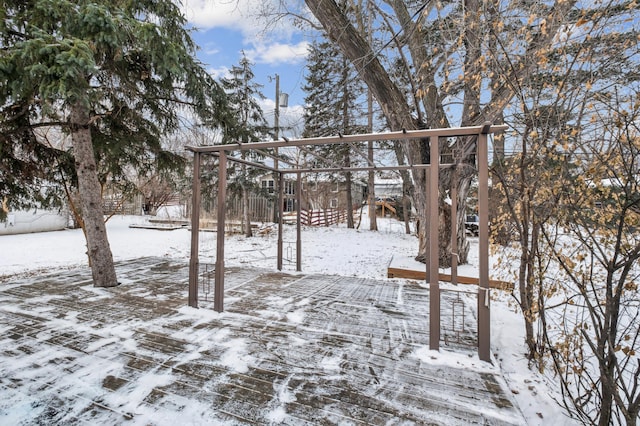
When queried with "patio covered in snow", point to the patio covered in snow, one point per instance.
{"points": [[290, 348]]}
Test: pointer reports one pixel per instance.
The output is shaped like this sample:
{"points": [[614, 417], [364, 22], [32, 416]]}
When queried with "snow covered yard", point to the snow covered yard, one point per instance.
{"points": [[336, 344]]}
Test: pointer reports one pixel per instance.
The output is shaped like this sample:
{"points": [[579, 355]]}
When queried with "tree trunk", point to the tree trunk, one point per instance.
{"points": [[607, 365], [391, 99], [348, 183], [98, 249], [526, 300], [394, 104], [347, 155], [371, 198], [525, 274], [371, 176], [407, 188], [246, 219]]}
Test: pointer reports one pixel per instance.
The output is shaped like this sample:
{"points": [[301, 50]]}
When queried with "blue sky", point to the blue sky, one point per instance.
{"points": [[225, 28]]}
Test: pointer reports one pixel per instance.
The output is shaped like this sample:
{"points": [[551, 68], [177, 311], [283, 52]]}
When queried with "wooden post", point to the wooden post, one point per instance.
{"points": [[434, 280], [298, 229], [427, 226], [218, 294], [194, 262], [454, 225], [278, 213], [484, 317]]}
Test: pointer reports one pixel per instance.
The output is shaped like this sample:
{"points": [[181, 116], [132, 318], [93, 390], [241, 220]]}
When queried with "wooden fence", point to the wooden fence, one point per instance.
{"points": [[260, 209], [324, 217]]}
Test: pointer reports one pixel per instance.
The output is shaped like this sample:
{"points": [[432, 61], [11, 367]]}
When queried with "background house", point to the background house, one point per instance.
{"points": [[388, 188], [318, 193]]}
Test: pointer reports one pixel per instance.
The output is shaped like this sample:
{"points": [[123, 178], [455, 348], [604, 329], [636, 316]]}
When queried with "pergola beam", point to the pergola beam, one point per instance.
{"points": [[359, 169], [246, 162], [330, 169], [327, 140]]}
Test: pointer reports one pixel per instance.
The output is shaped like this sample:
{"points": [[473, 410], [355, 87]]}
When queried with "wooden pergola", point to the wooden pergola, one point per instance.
{"points": [[477, 143]]}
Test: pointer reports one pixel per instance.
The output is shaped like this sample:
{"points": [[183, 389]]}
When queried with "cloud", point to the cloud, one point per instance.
{"points": [[279, 53], [250, 17], [268, 40], [220, 72], [207, 14], [211, 49]]}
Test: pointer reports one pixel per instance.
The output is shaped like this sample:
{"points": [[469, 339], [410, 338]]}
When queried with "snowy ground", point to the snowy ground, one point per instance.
{"points": [[334, 250]]}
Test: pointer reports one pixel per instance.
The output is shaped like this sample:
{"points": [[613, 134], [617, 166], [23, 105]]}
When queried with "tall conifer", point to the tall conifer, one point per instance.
{"points": [[112, 76], [333, 91], [249, 125]]}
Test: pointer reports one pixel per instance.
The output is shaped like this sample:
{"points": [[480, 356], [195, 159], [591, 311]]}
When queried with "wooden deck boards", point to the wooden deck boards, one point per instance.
{"points": [[289, 349]]}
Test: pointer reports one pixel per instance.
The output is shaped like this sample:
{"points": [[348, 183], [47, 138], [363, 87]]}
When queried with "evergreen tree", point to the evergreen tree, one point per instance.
{"points": [[110, 75], [333, 91], [249, 126]]}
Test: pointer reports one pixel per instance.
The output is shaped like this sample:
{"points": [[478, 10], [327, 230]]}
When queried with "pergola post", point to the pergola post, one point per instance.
{"points": [[454, 226], [434, 280], [299, 226], [194, 262], [427, 225], [218, 294], [278, 213], [484, 318]]}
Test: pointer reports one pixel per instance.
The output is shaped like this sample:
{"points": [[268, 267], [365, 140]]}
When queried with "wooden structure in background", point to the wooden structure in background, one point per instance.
{"points": [[479, 144]]}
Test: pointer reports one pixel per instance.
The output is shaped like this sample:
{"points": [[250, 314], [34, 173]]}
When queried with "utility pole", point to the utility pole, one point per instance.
{"points": [[282, 100], [276, 119], [276, 179]]}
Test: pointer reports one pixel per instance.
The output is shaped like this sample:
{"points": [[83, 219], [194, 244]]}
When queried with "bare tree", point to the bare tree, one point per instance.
{"points": [[441, 64], [530, 182], [593, 337]]}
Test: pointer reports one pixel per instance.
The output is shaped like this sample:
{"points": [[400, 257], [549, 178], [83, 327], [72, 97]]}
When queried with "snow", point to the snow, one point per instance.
{"points": [[332, 250]]}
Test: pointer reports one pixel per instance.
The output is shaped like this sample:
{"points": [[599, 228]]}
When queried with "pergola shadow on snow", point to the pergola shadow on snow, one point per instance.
{"points": [[477, 143]]}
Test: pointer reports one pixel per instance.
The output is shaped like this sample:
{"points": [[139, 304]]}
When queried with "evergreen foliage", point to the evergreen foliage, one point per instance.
{"points": [[333, 93], [130, 64], [249, 126], [243, 95], [332, 107], [111, 76]]}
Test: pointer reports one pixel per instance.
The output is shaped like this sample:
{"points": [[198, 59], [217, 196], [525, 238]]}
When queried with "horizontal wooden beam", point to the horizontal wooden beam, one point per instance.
{"points": [[399, 135], [420, 275]]}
